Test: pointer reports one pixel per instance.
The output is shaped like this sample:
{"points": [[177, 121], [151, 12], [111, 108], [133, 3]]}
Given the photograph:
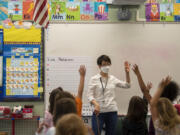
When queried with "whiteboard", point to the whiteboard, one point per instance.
{"points": [[154, 47]]}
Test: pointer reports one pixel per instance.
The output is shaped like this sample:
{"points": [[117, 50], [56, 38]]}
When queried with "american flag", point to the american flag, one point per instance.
{"points": [[41, 12]]}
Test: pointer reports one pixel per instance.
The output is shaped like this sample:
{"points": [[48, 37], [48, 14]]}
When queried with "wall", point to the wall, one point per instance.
{"points": [[154, 47]]}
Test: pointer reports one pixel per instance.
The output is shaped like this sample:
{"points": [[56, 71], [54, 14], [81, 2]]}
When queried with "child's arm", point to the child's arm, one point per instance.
{"points": [[156, 97], [127, 69], [41, 127], [142, 85], [148, 86], [82, 72]]}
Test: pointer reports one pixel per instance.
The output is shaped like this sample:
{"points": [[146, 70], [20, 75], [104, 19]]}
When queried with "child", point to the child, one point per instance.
{"points": [[66, 94], [135, 121], [164, 114], [48, 114], [58, 91], [170, 91], [70, 124], [62, 107], [78, 98]]}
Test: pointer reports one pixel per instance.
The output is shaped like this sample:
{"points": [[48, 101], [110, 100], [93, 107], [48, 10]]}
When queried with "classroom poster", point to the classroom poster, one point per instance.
{"points": [[29, 0], [49, 9], [58, 11], [21, 70], [101, 11], [87, 10], [22, 76], [3, 10], [85, 0], [1, 41], [28, 10], [1, 70], [164, 1], [100, 0], [166, 12], [177, 12], [151, 1], [15, 10], [72, 11], [73, 0], [152, 12]]}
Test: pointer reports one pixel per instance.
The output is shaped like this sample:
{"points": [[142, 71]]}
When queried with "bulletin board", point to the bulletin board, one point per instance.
{"points": [[22, 70], [154, 47]]}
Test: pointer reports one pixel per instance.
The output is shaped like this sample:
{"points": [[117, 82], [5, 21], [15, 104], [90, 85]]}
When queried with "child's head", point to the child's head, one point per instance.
{"points": [[171, 91], [64, 94], [52, 98], [63, 106], [137, 109], [70, 124], [167, 114]]}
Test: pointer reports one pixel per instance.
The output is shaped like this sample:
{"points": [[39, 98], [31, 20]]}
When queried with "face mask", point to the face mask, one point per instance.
{"points": [[105, 69]]}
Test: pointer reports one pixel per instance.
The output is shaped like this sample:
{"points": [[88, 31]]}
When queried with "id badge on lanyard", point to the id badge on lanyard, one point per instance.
{"points": [[103, 88]]}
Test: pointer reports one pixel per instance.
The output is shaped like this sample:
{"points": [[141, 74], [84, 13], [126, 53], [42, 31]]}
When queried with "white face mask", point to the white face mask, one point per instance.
{"points": [[105, 69]]}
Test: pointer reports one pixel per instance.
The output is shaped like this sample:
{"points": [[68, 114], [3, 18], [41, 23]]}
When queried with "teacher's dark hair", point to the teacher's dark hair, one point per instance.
{"points": [[103, 58]]}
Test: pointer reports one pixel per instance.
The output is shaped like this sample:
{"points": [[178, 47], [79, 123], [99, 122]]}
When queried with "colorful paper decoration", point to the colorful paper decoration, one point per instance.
{"points": [[151, 1], [101, 11], [58, 11], [72, 11], [177, 12], [152, 12], [28, 9], [164, 1], [177, 1], [3, 10], [166, 12], [22, 35], [1, 45], [15, 10], [87, 10]]}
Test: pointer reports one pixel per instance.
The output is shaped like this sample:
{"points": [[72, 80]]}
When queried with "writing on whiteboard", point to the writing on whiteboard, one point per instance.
{"points": [[61, 59]]}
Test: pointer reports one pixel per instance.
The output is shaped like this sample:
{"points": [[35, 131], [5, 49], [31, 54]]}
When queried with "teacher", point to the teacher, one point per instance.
{"points": [[101, 93]]}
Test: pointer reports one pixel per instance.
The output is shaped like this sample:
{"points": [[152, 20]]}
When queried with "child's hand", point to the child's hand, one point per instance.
{"points": [[165, 82], [82, 70], [41, 127], [149, 86], [127, 66], [135, 69]]}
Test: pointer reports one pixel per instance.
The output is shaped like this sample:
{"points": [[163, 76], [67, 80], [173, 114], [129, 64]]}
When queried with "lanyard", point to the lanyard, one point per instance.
{"points": [[103, 88]]}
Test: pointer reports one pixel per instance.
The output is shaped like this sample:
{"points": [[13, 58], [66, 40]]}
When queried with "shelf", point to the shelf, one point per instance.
{"points": [[34, 117]]}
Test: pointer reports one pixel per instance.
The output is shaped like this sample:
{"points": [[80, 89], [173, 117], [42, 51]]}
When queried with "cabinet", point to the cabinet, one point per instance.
{"points": [[19, 126]]}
